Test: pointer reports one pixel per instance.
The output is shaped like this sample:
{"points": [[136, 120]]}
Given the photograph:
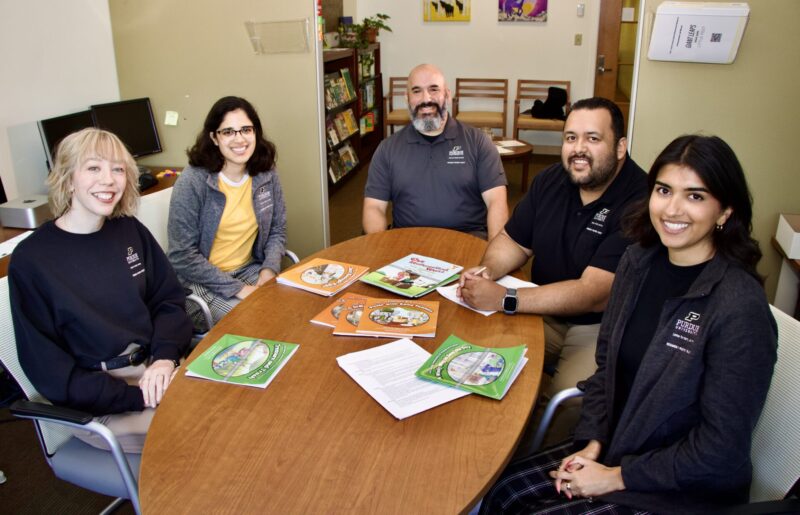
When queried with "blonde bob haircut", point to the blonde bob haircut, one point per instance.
{"points": [[76, 149]]}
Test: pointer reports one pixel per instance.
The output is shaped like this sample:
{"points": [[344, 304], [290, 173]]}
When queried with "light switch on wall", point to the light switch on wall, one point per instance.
{"points": [[581, 10], [171, 118], [578, 39]]}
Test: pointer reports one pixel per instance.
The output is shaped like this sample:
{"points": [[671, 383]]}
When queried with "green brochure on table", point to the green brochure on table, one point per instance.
{"points": [[413, 276], [242, 360], [488, 371]]}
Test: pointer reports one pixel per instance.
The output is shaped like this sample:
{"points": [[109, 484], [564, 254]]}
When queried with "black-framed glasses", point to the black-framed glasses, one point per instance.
{"points": [[229, 132]]}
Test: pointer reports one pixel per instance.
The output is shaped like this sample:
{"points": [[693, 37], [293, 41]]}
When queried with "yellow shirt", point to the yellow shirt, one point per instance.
{"points": [[237, 231]]}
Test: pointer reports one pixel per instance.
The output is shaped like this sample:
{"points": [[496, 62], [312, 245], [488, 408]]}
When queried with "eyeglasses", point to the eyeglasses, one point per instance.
{"points": [[229, 132]]}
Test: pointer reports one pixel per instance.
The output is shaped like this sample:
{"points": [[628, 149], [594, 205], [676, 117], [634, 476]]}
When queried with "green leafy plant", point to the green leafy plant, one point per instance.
{"points": [[360, 35]]}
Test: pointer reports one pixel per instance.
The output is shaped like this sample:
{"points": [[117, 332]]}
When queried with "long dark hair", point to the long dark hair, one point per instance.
{"points": [[206, 154], [716, 164]]}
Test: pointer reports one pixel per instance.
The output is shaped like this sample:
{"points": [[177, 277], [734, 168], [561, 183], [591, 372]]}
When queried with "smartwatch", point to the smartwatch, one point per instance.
{"points": [[510, 301]]}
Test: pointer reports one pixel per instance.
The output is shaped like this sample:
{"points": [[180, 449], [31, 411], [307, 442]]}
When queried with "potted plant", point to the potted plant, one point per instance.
{"points": [[360, 35]]}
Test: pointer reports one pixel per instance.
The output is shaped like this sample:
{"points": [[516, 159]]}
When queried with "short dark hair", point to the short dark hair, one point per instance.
{"points": [[617, 121], [716, 164], [206, 154]]}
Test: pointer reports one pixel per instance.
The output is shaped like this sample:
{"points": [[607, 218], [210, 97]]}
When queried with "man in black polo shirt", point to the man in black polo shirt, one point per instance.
{"points": [[570, 220], [436, 172]]}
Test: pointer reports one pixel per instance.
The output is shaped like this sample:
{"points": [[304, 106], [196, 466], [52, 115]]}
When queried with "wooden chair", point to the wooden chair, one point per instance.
{"points": [[529, 91], [395, 112], [493, 90]]}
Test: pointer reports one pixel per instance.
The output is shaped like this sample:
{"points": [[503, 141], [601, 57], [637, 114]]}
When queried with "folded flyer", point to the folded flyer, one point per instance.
{"points": [[482, 370], [413, 276], [322, 276], [242, 360]]}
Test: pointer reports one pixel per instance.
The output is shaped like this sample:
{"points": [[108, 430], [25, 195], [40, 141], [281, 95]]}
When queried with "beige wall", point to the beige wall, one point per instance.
{"points": [[57, 59], [484, 47], [752, 104], [185, 54]]}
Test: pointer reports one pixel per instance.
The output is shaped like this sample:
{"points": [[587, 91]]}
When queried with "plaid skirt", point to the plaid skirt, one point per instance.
{"points": [[526, 487], [217, 304]]}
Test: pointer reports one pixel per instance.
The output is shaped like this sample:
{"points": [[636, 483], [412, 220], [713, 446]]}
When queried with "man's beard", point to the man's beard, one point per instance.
{"points": [[600, 172], [429, 123]]}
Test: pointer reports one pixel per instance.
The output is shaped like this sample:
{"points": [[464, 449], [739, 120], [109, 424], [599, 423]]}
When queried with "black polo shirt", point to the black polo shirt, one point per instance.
{"points": [[436, 183], [566, 236]]}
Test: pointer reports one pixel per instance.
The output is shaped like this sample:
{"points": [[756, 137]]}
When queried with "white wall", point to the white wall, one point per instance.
{"points": [[484, 47], [56, 58]]}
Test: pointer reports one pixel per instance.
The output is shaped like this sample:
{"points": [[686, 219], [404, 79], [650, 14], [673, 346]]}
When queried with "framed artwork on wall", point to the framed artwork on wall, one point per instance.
{"points": [[446, 10], [522, 10]]}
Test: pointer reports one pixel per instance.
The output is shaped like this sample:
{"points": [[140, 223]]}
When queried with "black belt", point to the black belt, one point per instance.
{"points": [[136, 357]]}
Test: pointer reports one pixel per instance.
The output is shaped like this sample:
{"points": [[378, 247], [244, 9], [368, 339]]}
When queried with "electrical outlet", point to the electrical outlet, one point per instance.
{"points": [[171, 118], [578, 39]]}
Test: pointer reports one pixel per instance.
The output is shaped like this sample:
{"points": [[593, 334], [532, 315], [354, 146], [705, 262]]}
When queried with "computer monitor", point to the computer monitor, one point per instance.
{"points": [[132, 121], [53, 130]]}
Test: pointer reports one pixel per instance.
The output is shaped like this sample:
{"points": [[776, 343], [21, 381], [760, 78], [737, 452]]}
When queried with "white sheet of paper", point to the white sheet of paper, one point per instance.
{"points": [[449, 292], [509, 143], [7, 247], [386, 372], [503, 150]]}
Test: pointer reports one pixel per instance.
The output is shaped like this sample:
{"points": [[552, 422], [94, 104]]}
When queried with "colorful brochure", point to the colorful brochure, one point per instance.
{"points": [[242, 360], [396, 317], [482, 370], [386, 373], [330, 316], [322, 276], [413, 276], [350, 316]]}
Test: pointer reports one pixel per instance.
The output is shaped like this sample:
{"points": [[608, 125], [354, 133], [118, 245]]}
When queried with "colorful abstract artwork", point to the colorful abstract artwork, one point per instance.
{"points": [[522, 10], [450, 10]]}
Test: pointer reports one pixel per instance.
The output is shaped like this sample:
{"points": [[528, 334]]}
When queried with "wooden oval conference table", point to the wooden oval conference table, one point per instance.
{"points": [[314, 441]]}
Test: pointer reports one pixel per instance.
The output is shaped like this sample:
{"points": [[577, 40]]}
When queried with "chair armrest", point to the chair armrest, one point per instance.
{"points": [[776, 507], [292, 256], [41, 411], [550, 410]]}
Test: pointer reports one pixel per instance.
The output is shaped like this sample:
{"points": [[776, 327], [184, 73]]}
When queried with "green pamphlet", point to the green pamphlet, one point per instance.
{"points": [[413, 276], [488, 371], [242, 360]]}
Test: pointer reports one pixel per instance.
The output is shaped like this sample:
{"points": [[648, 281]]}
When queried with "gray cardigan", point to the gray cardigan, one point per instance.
{"points": [[194, 214], [683, 438]]}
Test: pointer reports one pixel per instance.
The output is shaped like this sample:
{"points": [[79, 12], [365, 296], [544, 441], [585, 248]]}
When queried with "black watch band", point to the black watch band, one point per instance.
{"points": [[510, 301]]}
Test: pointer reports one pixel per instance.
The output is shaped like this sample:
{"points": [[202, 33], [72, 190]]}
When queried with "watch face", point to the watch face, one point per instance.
{"points": [[509, 304]]}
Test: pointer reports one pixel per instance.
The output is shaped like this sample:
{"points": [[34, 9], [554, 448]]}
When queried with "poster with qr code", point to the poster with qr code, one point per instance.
{"points": [[699, 32]]}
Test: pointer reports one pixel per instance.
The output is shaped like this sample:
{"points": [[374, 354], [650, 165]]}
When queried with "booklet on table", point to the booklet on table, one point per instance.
{"points": [[413, 276], [488, 371], [322, 276], [508, 281], [242, 360]]}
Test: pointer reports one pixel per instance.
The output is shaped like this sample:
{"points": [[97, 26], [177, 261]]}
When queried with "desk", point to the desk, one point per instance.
{"points": [[518, 153], [314, 441]]}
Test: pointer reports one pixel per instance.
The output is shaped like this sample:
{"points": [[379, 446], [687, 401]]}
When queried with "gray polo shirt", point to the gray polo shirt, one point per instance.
{"points": [[436, 184]]}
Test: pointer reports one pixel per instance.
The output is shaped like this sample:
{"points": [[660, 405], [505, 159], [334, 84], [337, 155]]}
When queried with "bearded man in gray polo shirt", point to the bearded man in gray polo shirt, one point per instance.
{"points": [[436, 172]]}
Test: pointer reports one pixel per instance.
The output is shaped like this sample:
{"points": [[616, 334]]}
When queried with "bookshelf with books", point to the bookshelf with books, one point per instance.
{"points": [[353, 98]]}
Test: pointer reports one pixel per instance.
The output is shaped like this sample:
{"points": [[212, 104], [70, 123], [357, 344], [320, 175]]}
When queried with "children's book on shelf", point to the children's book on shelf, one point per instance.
{"points": [[242, 360], [350, 121], [348, 157], [488, 371], [350, 316], [322, 276], [413, 275], [367, 123], [348, 81], [398, 317], [341, 127], [331, 315], [332, 136], [386, 373], [335, 167]]}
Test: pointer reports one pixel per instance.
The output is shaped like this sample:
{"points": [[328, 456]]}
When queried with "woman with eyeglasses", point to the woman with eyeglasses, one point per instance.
{"points": [[227, 219], [684, 358]]}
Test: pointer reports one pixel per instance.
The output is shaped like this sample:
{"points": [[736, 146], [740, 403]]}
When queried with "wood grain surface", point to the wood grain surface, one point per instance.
{"points": [[314, 441]]}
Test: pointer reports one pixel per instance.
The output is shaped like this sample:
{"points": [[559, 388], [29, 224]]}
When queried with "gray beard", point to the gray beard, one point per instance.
{"points": [[428, 123]]}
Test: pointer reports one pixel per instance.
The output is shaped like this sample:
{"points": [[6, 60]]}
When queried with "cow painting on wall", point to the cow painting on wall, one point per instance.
{"points": [[446, 10]]}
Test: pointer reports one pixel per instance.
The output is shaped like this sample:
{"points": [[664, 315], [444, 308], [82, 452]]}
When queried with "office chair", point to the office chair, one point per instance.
{"points": [[154, 213], [775, 446], [110, 473]]}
